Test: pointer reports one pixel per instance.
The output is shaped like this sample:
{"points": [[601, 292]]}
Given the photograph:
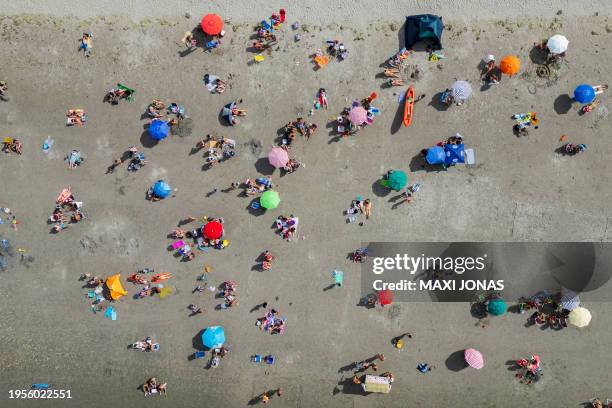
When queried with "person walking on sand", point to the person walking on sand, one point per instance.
{"points": [[367, 208], [188, 40]]}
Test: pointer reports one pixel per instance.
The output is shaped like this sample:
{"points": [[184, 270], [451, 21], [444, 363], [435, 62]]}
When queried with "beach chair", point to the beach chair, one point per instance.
{"points": [[470, 160], [199, 354], [256, 358], [269, 359]]}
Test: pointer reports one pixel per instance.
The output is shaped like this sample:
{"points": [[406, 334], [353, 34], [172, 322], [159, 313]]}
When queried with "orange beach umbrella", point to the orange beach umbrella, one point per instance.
{"points": [[115, 287], [212, 24], [510, 65]]}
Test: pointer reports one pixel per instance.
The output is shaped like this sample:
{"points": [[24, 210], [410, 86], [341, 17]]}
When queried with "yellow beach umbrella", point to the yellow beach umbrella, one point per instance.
{"points": [[115, 287], [580, 317]]}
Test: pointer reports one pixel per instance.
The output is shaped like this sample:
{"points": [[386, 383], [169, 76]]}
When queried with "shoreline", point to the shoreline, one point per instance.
{"points": [[359, 12]]}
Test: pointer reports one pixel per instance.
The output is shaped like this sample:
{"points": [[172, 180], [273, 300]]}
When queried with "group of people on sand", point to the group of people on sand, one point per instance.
{"points": [[67, 211], [216, 149], [214, 84], [254, 186], [287, 226], [151, 387], [11, 145], [136, 160], [228, 293], [359, 206], [201, 241], [272, 323], [76, 117], [291, 130], [264, 33]]}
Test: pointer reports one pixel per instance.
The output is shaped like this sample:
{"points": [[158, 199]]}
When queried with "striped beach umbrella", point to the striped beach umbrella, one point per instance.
{"points": [[569, 300], [461, 90], [474, 358]]}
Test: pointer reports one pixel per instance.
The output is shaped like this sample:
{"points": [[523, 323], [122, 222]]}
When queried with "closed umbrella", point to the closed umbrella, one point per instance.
{"points": [[213, 337], [497, 307], [474, 358], [269, 200], [227, 113], [115, 288], [158, 129], [385, 297], [557, 44], [396, 180], [435, 155], [358, 115], [584, 93], [278, 157], [461, 90], [580, 317], [213, 230], [510, 65], [161, 189], [212, 24], [569, 300]]}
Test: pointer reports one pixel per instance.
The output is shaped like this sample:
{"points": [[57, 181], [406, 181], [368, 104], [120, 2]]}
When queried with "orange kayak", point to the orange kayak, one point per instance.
{"points": [[409, 104]]}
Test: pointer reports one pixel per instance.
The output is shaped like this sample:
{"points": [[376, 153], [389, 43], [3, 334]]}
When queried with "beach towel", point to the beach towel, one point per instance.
{"points": [[64, 196]]}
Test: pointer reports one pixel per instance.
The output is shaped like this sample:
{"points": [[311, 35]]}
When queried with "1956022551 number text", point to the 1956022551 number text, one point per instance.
{"points": [[40, 394]]}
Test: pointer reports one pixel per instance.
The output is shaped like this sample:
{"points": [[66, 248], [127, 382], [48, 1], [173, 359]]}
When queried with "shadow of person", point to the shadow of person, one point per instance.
{"points": [[563, 104], [456, 361]]}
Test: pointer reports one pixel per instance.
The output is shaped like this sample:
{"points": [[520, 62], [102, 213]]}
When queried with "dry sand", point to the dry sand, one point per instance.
{"points": [[519, 190]]}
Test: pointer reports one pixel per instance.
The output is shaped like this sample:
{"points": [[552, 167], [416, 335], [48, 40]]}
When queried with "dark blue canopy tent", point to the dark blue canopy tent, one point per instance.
{"points": [[424, 27]]}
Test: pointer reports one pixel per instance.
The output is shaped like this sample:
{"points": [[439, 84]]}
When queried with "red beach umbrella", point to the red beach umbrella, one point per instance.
{"points": [[212, 24], [213, 230], [385, 297]]}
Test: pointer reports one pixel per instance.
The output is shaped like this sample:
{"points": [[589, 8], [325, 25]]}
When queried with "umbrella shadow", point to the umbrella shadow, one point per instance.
{"points": [[263, 166], [563, 104], [537, 55], [147, 141], [456, 361], [380, 190], [255, 211], [348, 387], [401, 36], [478, 311], [437, 104], [418, 163]]}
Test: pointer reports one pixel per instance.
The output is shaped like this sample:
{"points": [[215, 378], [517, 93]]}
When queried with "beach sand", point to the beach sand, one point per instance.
{"points": [[519, 189]]}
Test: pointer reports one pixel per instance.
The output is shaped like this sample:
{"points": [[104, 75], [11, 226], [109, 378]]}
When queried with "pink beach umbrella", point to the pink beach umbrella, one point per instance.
{"points": [[358, 115], [278, 157], [474, 358]]}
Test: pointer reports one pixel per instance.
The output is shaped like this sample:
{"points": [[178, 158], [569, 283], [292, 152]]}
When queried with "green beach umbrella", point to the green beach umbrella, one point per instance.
{"points": [[497, 307], [269, 200], [396, 181]]}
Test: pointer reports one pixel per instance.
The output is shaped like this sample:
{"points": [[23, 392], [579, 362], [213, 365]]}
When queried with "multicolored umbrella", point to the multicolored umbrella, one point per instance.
{"points": [[584, 93], [212, 24], [510, 65], [161, 189], [396, 181], [213, 337], [358, 115], [497, 307], [158, 129], [278, 157], [269, 200], [461, 90], [385, 297], [474, 358], [213, 230], [580, 317], [557, 44]]}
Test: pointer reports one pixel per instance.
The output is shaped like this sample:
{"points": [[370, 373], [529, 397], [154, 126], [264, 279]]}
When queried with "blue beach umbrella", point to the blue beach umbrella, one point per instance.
{"points": [[454, 154], [161, 189], [158, 129], [497, 307], [213, 337], [584, 93], [435, 155]]}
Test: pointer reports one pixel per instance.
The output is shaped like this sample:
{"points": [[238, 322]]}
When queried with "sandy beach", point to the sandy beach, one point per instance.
{"points": [[520, 189]]}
